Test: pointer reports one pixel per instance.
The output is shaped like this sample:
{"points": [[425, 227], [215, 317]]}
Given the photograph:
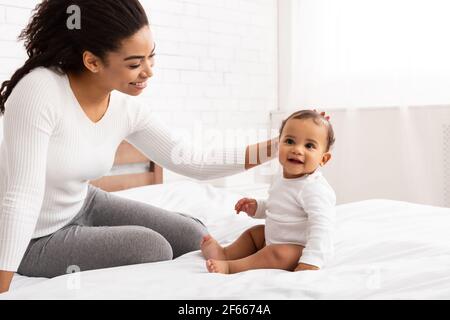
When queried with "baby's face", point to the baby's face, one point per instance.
{"points": [[302, 147]]}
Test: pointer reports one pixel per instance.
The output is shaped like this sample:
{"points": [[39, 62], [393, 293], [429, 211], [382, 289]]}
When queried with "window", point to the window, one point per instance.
{"points": [[364, 53]]}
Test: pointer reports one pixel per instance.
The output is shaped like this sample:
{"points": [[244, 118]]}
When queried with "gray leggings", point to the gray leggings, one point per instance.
{"points": [[111, 231]]}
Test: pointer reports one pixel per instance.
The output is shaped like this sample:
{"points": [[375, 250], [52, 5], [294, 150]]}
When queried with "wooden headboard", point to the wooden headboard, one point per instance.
{"points": [[127, 154]]}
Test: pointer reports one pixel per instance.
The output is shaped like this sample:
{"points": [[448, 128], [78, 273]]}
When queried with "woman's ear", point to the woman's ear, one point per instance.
{"points": [[91, 62], [325, 158]]}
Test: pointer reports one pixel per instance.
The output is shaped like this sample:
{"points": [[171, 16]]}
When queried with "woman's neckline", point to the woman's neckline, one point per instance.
{"points": [[80, 108]]}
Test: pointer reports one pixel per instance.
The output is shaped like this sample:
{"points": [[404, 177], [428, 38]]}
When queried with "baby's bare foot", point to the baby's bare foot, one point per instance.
{"points": [[217, 266], [211, 249]]}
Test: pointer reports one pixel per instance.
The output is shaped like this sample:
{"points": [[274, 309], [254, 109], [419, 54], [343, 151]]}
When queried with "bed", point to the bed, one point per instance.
{"points": [[384, 250]]}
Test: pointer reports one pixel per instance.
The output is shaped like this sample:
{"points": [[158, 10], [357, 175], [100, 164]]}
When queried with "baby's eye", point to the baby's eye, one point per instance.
{"points": [[289, 141], [310, 146]]}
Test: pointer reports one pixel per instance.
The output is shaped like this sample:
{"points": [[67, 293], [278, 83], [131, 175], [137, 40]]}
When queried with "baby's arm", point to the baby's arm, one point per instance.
{"points": [[318, 201], [253, 208]]}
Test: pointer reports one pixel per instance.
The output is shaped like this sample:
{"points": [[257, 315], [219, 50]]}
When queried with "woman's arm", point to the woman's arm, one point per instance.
{"points": [[209, 161], [5, 280], [28, 124], [260, 153]]}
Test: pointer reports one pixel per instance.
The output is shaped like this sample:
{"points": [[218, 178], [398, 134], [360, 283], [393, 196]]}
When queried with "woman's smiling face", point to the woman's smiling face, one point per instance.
{"points": [[128, 69]]}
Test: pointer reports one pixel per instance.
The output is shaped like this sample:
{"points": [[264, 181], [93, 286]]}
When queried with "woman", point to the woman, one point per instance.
{"points": [[62, 126]]}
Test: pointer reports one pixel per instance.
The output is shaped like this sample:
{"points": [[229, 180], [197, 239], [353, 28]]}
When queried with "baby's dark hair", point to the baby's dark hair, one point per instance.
{"points": [[318, 119]]}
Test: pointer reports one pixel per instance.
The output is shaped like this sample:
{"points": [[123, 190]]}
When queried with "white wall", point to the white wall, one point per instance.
{"points": [[390, 153], [396, 57], [353, 53], [216, 63], [13, 17]]}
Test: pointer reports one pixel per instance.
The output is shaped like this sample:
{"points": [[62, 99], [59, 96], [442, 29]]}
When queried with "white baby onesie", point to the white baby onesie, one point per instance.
{"points": [[301, 211]]}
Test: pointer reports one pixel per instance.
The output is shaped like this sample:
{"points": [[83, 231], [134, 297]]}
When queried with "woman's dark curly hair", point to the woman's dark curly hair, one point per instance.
{"points": [[51, 43]]}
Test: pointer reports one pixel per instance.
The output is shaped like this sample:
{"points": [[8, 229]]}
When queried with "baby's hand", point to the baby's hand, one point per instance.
{"points": [[247, 205]]}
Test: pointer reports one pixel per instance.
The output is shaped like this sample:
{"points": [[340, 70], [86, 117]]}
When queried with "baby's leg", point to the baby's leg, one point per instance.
{"points": [[247, 244], [279, 256]]}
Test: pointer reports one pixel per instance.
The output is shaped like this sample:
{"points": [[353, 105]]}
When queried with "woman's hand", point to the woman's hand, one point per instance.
{"points": [[261, 153], [304, 267], [247, 205]]}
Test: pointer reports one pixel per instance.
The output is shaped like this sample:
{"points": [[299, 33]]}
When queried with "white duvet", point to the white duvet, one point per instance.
{"points": [[384, 250]]}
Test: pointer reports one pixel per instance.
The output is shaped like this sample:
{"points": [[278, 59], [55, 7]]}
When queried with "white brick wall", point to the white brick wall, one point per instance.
{"points": [[13, 18], [14, 15], [216, 63]]}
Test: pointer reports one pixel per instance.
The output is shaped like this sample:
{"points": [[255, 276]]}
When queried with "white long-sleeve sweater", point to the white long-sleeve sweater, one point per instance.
{"points": [[301, 211], [51, 150]]}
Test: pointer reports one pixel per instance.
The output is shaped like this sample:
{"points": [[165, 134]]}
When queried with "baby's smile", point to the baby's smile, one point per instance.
{"points": [[295, 160]]}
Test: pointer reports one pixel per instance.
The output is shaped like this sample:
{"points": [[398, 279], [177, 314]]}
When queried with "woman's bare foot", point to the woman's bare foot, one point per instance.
{"points": [[211, 249], [217, 266]]}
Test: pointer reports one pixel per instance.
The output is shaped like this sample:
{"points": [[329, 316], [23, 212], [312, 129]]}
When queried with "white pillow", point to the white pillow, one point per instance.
{"points": [[200, 200]]}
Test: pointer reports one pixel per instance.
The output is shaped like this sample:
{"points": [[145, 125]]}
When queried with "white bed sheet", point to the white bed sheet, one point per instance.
{"points": [[384, 250]]}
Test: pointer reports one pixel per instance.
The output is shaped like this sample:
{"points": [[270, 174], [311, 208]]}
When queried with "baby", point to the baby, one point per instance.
{"points": [[299, 212]]}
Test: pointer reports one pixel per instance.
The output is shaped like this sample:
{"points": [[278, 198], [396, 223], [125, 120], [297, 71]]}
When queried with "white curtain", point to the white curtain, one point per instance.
{"points": [[357, 58], [364, 53]]}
